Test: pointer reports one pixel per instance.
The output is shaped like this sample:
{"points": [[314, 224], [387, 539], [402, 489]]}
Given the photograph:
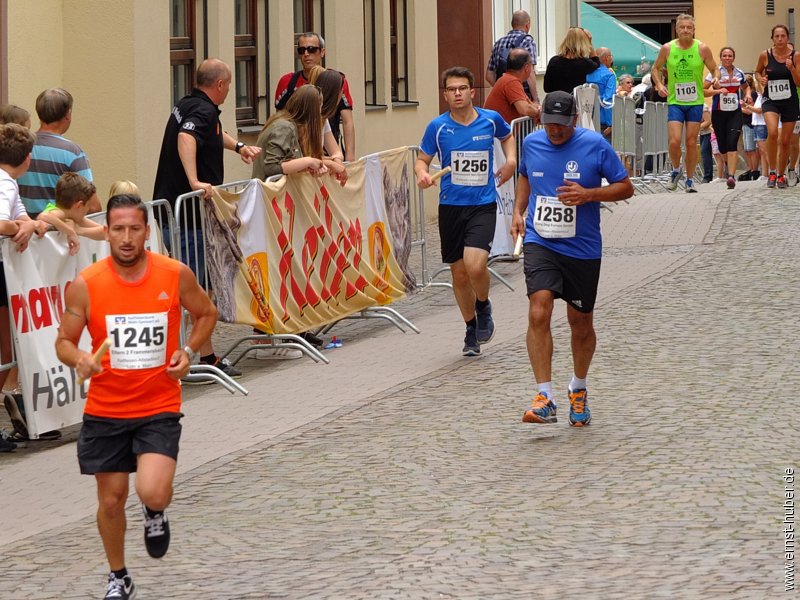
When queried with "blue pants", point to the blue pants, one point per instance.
{"points": [[706, 157]]}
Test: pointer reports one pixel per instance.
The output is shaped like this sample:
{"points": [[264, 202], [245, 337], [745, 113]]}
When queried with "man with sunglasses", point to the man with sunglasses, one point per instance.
{"points": [[311, 51]]}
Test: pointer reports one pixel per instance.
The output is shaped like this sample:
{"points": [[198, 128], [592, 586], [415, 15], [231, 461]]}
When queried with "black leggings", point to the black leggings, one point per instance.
{"points": [[728, 127]]}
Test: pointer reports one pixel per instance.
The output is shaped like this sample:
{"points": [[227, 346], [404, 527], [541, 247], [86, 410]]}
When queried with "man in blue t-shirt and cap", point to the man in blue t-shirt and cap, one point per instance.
{"points": [[561, 172]]}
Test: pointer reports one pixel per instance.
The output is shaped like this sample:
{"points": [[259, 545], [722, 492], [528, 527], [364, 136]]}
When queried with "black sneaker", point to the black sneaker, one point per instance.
{"points": [[485, 327], [312, 339], [120, 589], [746, 176], [6, 445], [226, 367], [471, 345], [156, 533]]}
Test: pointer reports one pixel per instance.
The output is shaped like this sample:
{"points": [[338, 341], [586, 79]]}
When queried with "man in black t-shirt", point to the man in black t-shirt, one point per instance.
{"points": [[192, 159]]}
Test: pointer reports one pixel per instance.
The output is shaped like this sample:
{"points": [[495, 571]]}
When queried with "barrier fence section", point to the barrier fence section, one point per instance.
{"points": [[655, 143], [36, 281]]}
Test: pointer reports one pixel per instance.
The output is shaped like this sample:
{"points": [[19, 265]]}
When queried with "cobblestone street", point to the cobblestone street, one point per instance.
{"points": [[402, 470]]}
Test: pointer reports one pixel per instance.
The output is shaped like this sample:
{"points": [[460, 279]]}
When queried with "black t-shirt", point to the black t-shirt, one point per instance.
{"points": [[198, 116]]}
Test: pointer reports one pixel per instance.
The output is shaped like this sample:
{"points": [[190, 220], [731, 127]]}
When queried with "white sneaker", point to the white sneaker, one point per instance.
{"points": [[271, 353]]}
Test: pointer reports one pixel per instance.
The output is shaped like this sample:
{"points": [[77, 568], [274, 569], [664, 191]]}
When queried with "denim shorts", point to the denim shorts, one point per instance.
{"points": [[760, 133], [748, 138], [685, 114]]}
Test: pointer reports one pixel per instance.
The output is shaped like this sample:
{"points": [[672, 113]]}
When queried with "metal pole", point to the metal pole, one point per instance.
{"points": [[574, 13], [791, 25]]}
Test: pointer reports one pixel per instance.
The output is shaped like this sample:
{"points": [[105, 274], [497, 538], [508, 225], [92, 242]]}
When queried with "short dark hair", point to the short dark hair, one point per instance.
{"points": [[517, 59], [16, 143], [71, 188], [462, 72], [53, 105], [125, 201], [308, 34]]}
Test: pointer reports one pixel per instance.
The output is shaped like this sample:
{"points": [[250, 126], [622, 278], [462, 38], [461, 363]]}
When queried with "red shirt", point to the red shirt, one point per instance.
{"points": [[507, 90]]}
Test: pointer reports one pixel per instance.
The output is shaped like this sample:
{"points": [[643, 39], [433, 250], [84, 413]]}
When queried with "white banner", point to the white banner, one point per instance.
{"points": [[502, 244], [36, 280]]}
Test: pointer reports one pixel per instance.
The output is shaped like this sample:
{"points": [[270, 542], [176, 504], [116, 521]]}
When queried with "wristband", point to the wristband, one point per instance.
{"points": [[238, 147]]}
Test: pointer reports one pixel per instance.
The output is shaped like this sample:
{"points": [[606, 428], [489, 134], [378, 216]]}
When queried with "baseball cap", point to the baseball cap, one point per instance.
{"points": [[559, 108]]}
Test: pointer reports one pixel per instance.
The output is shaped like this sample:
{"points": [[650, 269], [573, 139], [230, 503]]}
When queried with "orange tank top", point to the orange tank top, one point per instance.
{"points": [[142, 320]]}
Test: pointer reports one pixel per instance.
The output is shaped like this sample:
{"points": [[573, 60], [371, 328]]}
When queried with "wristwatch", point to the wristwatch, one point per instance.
{"points": [[192, 354], [239, 146]]}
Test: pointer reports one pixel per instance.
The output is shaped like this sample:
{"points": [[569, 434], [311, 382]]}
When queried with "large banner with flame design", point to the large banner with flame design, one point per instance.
{"points": [[303, 251]]}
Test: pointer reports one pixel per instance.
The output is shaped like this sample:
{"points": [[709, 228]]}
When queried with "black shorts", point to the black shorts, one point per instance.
{"points": [[728, 127], [789, 110], [461, 226], [3, 288], [112, 445], [573, 279]]}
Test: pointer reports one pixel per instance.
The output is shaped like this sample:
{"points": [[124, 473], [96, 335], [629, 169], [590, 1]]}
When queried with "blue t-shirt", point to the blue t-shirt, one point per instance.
{"points": [[469, 151], [586, 159]]}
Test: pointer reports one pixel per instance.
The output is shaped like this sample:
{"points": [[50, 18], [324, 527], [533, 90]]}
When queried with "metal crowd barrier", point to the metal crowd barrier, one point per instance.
{"points": [[655, 143]]}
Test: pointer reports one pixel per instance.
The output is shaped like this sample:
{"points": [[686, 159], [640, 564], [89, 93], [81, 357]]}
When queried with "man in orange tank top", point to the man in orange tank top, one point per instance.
{"points": [[132, 416]]}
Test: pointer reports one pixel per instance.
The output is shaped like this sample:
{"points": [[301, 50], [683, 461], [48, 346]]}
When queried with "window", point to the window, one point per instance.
{"points": [[181, 47], [246, 51], [370, 54], [543, 25], [398, 49]]}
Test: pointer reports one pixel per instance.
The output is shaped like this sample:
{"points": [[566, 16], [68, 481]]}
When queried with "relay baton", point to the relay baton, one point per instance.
{"points": [[436, 176], [518, 246], [98, 355]]}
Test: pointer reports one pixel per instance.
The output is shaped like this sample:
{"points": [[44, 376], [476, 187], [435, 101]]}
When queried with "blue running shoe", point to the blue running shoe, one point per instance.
{"points": [[542, 411], [485, 328], [674, 178], [471, 345], [579, 413]]}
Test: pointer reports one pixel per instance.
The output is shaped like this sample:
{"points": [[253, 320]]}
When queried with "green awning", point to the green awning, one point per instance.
{"points": [[634, 53]]}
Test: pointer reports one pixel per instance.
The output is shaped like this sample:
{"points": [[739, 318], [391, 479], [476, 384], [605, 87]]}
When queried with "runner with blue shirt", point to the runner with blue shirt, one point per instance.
{"points": [[560, 185], [463, 139]]}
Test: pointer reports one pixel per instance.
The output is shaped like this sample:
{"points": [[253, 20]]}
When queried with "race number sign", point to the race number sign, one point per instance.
{"points": [[138, 341], [779, 89], [686, 92], [552, 219], [469, 168], [729, 102]]}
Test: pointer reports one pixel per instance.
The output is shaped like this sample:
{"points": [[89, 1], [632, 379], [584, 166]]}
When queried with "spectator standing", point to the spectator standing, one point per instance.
{"points": [[575, 60], [748, 134], [11, 113], [192, 159], [16, 143], [311, 50], [508, 96], [706, 155], [605, 80], [517, 37], [683, 59], [625, 85], [463, 138], [53, 154]]}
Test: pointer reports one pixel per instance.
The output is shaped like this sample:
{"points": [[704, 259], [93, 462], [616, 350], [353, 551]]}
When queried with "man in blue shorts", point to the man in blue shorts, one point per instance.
{"points": [[684, 59], [560, 185], [463, 138]]}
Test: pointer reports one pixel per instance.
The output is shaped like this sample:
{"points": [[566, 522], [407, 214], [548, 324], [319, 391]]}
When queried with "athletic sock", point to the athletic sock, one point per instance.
{"points": [[152, 513], [121, 573], [689, 182], [209, 359], [577, 383], [473, 321], [481, 304], [547, 388]]}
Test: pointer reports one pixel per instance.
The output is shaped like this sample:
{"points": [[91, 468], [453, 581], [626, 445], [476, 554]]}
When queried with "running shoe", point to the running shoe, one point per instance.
{"points": [[471, 345], [542, 411], [6, 445], [674, 178], [120, 589], [782, 185], [485, 328], [772, 180], [15, 414], [690, 189], [312, 339], [746, 176], [226, 367], [791, 177], [579, 413], [731, 182], [156, 533]]}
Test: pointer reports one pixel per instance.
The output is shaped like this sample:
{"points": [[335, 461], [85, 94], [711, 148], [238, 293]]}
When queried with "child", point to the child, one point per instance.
{"points": [[123, 187], [68, 214], [16, 143], [11, 113]]}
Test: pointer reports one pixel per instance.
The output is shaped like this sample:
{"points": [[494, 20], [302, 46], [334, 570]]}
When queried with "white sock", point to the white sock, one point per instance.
{"points": [[577, 384], [547, 388]]}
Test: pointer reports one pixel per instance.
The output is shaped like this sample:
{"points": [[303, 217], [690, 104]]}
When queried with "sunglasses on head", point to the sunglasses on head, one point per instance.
{"points": [[310, 49]]}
